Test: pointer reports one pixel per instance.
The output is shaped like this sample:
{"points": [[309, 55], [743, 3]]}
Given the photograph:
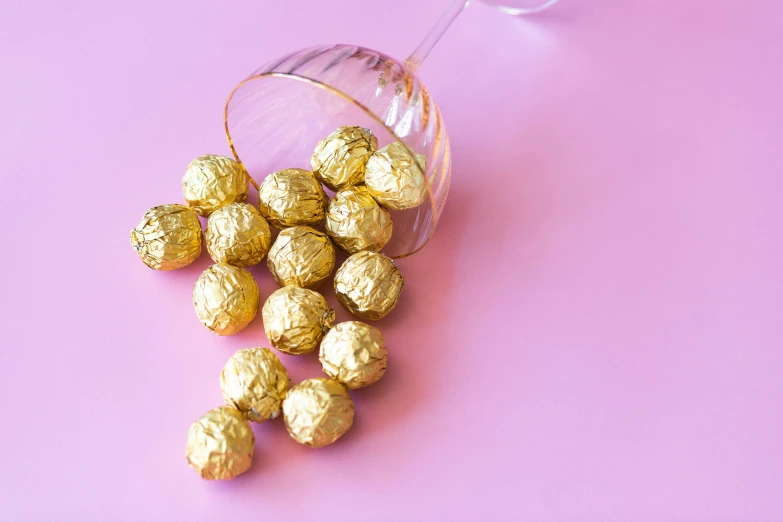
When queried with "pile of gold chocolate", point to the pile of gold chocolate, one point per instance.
{"points": [[297, 319]]}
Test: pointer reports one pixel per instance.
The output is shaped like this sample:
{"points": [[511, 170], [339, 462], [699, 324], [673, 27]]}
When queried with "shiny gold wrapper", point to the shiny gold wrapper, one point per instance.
{"points": [[212, 181], [295, 319], [368, 284], [225, 298], [340, 158], [356, 222], [317, 412], [238, 235], [301, 256], [167, 237], [292, 197], [254, 381], [353, 354], [395, 178], [220, 444]]}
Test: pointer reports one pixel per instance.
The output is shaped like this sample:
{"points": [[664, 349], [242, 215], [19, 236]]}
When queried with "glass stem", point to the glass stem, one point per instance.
{"points": [[414, 61]]}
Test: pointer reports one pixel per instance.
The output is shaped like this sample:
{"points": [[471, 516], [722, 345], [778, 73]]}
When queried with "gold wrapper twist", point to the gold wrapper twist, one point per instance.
{"points": [[226, 298], [220, 444], [395, 178], [356, 222], [368, 284], [292, 197], [295, 319], [354, 354], [213, 181], [301, 256], [317, 412], [254, 381], [340, 158], [238, 235], [167, 237]]}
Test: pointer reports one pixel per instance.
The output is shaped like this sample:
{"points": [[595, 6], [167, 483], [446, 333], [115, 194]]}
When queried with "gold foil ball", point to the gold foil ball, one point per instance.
{"points": [[167, 237], [395, 178], [340, 158], [353, 354], [301, 256], [238, 235], [368, 284], [225, 298], [220, 444], [356, 222], [295, 319], [317, 412], [254, 381], [212, 181], [292, 197]]}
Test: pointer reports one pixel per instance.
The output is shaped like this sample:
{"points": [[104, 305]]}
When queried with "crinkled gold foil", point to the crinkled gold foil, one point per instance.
{"points": [[395, 178], [368, 284], [213, 181], [226, 298], [355, 221], [354, 354], [220, 444], [167, 237], [254, 381], [292, 197], [238, 235], [317, 412], [295, 319], [340, 158], [301, 256]]}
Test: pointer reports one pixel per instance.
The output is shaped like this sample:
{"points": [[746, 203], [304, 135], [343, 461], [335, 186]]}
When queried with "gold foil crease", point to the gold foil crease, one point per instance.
{"points": [[254, 381], [292, 197], [225, 298], [167, 237], [354, 354], [295, 319], [368, 284], [220, 444], [238, 235], [317, 412], [356, 222], [395, 178], [339, 159], [301, 256], [212, 181]]}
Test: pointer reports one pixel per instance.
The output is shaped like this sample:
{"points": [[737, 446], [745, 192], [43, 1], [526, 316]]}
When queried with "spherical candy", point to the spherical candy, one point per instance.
{"points": [[295, 319], [238, 235], [254, 381], [292, 197], [340, 158], [220, 444], [301, 256], [225, 298], [356, 222], [167, 237], [368, 284], [354, 354], [395, 178], [212, 181], [317, 412]]}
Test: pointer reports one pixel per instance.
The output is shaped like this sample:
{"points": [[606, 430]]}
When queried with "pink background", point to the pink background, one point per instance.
{"points": [[594, 332]]}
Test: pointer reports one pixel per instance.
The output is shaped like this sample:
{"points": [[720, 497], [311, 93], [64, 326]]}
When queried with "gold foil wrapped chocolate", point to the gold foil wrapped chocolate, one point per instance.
{"points": [[353, 354], [292, 197], [368, 284], [238, 235], [301, 256], [226, 298], [395, 178], [167, 237], [295, 319], [339, 159], [356, 222], [254, 381], [317, 412], [212, 181], [220, 444]]}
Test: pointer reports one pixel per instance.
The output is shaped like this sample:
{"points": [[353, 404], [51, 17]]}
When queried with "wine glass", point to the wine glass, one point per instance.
{"points": [[275, 117]]}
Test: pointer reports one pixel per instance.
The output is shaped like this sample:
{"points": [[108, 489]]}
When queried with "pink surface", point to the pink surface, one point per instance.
{"points": [[594, 332]]}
